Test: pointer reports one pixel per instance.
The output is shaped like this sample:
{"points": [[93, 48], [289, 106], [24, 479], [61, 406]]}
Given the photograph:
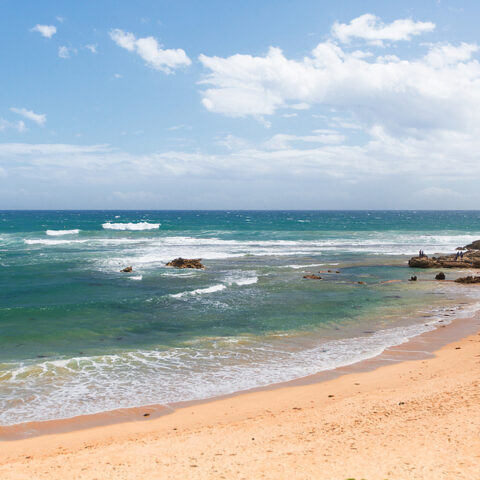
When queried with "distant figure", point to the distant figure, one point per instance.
{"points": [[456, 256], [461, 255], [421, 254]]}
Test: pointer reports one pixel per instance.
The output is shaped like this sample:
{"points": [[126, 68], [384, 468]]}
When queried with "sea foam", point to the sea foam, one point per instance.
{"points": [[131, 226], [62, 232], [200, 291]]}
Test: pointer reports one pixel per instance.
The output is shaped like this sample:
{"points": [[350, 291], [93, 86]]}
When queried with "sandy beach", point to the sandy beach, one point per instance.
{"points": [[401, 419]]}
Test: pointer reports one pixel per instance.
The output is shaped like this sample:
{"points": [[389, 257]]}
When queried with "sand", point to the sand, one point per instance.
{"points": [[417, 419]]}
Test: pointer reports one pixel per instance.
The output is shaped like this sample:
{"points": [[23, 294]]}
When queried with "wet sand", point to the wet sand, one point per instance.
{"points": [[406, 414]]}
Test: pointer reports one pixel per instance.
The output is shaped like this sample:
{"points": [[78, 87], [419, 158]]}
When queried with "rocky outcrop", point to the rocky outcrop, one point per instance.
{"points": [[468, 279], [186, 263], [413, 279], [474, 245], [127, 270], [440, 276], [469, 259], [312, 277]]}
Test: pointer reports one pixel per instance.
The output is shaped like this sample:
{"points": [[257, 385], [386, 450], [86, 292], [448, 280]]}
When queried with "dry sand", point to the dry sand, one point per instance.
{"points": [[418, 419]]}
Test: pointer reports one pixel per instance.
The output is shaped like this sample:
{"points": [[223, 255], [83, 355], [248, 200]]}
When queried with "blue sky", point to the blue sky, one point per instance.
{"points": [[239, 104]]}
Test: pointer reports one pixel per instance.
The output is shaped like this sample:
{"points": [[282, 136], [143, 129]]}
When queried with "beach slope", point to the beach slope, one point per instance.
{"points": [[410, 420]]}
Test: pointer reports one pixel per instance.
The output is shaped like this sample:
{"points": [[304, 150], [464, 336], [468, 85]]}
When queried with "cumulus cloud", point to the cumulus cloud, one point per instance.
{"points": [[151, 51], [47, 31], [370, 28], [39, 118], [440, 89]]}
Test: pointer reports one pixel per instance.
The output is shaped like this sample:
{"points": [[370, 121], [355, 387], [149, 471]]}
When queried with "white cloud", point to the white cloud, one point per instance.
{"points": [[150, 50], [438, 90], [282, 141], [60, 18], [39, 118], [118, 75], [64, 52], [369, 27], [47, 31], [19, 125], [92, 48]]}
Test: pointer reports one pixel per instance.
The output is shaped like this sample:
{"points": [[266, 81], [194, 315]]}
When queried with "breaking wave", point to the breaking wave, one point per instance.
{"points": [[62, 232], [131, 226]]}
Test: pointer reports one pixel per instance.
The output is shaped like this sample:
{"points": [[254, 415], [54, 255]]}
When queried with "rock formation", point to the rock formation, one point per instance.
{"points": [[469, 259], [474, 245], [127, 270], [468, 279], [312, 277], [440, 276], [186, 263]]}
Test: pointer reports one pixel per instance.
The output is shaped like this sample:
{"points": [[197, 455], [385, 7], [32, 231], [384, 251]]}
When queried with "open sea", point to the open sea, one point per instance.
{"points": [[77, 336]]}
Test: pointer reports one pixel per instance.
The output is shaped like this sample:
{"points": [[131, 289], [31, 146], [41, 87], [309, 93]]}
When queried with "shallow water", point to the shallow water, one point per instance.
{"points": [[77, 336]]}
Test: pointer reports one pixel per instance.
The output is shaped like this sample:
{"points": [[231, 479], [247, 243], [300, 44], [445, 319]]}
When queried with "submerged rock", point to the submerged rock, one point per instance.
{"points": [[127, 270], [413, 279], [186, 263], [469, 279], [440, 276], [312, 277]]}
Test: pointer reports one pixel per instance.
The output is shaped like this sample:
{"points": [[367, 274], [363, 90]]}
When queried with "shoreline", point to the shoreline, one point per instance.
{"points": [[419, 347], [405, 420]]}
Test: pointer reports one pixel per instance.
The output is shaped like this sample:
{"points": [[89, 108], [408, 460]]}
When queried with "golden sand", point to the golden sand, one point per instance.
{"points": [[417, 419]]}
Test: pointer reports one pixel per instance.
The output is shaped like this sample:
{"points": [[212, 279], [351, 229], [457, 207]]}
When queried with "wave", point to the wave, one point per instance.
{"points": [[62, 232], [308, 265], [245, 281], [136, 277], [130, 226], [200, 291], [213, 366], [52, 242]]}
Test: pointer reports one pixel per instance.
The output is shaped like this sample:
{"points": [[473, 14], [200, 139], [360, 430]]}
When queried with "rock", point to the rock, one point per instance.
{"points": [[312, 277], [468, 280], [361, 283], [127, 270], [422, 262], [468, 259], [474, 245], [413, 279], [186, 263], [461, 248], [440, 276]]}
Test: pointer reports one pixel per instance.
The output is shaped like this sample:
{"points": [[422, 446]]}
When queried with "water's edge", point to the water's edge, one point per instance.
{"points": [[415, 348]]}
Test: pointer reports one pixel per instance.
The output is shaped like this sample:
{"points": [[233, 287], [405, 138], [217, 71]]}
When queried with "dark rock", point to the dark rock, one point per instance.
{"points": [[474, 245], [440, 276], [337, 271], [461, 248], [413, 279], [469, 279], [312, 277], [127, 270], [186, 263], [361, 283], [422, 262]]}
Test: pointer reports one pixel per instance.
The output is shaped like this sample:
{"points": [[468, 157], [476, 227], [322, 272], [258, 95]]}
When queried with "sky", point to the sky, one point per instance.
{"points": [[175, 104]]}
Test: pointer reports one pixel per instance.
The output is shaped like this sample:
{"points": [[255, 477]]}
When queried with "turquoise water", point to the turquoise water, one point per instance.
{"points": [[77, 336]]}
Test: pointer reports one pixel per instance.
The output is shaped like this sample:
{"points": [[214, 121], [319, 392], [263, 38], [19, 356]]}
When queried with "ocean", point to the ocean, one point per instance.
{"points": [[77, 336]]}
